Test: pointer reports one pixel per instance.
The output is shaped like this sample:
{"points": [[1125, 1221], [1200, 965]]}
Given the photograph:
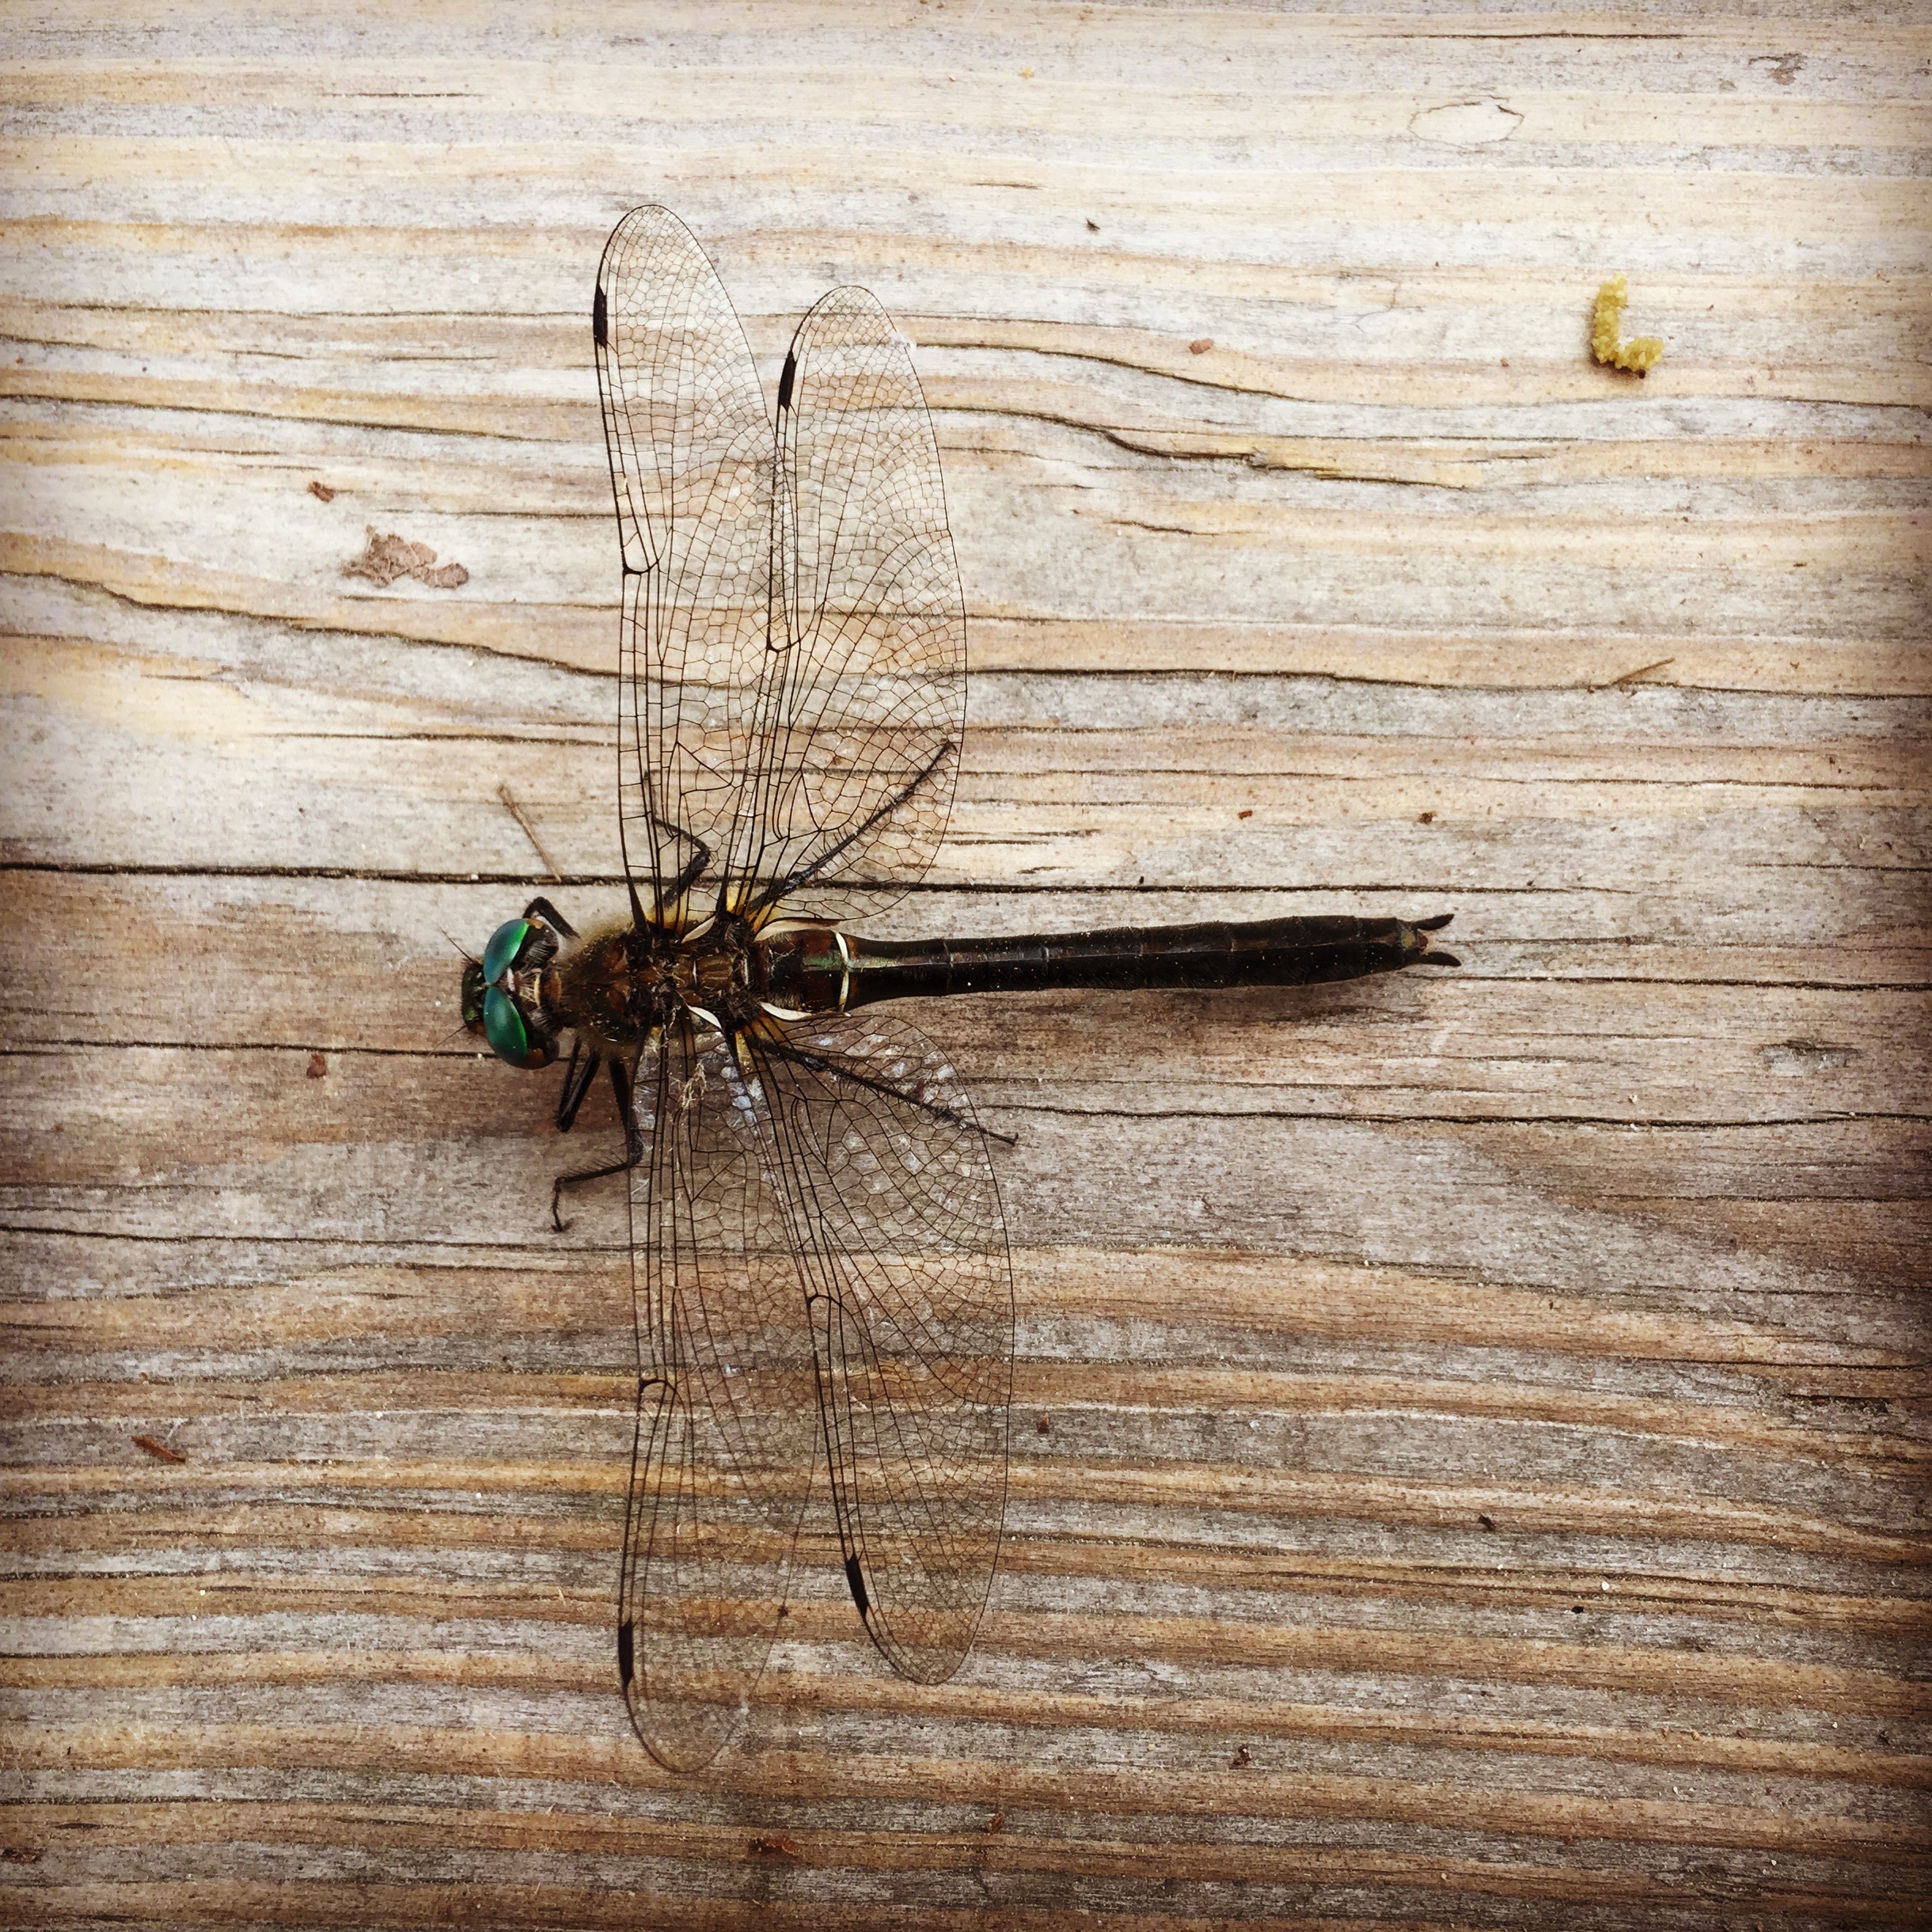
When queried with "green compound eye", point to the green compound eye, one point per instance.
{"points": [[505, 944], [504, 1027]]}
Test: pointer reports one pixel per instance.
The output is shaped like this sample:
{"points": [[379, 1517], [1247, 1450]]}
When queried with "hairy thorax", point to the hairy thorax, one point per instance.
{"points": [[619, 986]]}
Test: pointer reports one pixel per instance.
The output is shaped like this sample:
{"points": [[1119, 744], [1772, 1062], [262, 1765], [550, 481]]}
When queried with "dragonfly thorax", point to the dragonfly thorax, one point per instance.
{"points": [[717, 972]]}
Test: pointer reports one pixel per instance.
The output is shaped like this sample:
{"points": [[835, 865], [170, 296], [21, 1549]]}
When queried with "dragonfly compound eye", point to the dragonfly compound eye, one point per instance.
{"points": [[505, 942], [519, 943], [513, 1039]]}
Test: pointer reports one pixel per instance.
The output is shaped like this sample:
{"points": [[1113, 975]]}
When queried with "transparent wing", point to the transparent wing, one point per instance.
{"points": [[855, 742], [728, 1427], [690, 445], [903, 1246]]}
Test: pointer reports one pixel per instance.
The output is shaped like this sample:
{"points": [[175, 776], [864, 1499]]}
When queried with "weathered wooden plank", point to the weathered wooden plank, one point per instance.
{"points": [[1472, 1430], [388, 1151], [1297, 538], [1579, 1047], [1333, 803]]}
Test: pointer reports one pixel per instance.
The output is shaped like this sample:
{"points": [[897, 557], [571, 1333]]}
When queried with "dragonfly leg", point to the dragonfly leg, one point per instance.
{"points": [[633, 1145], [778, 888], [543, 909], [576, 1084], [693, 868]]}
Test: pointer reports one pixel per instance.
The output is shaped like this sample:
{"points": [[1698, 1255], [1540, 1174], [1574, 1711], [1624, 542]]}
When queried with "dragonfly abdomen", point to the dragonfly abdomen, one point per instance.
{"points": [[1298, 951]]}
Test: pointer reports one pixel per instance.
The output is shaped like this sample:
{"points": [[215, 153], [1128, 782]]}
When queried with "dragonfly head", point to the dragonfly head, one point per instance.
{"points": [[500, 993]]}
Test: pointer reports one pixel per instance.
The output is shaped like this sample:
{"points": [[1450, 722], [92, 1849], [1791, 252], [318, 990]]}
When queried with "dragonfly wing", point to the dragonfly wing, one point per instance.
{"points": [[903, 1245], [690, 445], [727, 1429], [857, 731]]}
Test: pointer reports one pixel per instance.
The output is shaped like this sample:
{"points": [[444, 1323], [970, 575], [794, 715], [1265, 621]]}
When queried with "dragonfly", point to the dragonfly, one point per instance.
{"points": [[818, 1251]]}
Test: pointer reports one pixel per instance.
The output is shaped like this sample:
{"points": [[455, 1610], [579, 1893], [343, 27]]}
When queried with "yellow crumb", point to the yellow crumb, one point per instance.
{"points": [[1640, 353]]}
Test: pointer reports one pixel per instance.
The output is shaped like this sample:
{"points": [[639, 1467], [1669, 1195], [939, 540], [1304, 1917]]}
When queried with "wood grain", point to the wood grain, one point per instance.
{"points": [[1472, 1439]]}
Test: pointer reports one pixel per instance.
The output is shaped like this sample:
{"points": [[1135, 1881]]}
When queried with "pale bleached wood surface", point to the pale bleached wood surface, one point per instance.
{"points": [[1472, 1440]]}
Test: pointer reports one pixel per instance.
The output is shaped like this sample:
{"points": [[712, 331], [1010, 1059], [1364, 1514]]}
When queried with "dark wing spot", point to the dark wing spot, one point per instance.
{"points": [[626, 1655], [785, 380], [599, 333], [857, 1585]]}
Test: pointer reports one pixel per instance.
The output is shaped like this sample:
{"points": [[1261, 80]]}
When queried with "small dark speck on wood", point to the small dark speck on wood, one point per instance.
{"points": [[156, 1447], [1201, 345], [1241, 1757], [321, 491], [1045, 1426], [776, 1844], [1425, 818], [1248, 813], [1094, 227], [318, 1066], [384, 558], [997, 1822]]}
